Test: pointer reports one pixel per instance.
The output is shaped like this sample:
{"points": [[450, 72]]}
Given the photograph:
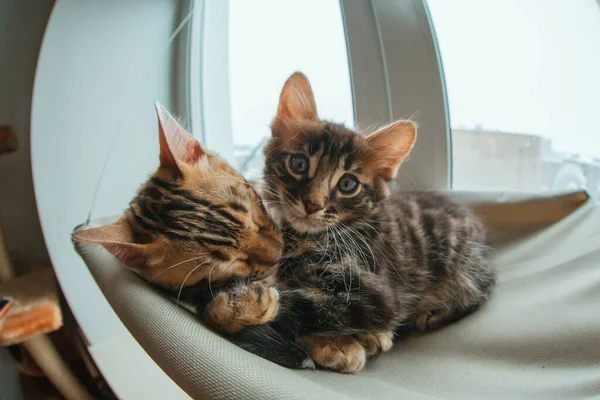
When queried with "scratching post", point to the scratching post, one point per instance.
{"points": [[56, 370], [34, 313], [6, 271]]}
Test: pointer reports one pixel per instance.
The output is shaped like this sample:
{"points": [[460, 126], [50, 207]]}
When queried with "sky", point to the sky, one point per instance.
{"points": [[529, 66], [525, 66], [268, 41]]}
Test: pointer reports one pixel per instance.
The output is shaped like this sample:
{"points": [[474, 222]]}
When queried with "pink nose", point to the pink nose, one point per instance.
{"points": [[311, 207]]}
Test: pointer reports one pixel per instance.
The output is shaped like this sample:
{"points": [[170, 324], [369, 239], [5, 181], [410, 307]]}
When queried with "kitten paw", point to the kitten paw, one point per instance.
{"points": [[436, 319], [245, 305], [427, 321], [338, 353], [377, 342], [255, 304]]}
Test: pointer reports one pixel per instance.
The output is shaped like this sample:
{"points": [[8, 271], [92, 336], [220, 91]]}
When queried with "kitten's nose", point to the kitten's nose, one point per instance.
{"points": [[311, 207]]}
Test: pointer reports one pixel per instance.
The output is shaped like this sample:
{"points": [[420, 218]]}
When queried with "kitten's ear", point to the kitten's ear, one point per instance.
{"points": [[296, 100], [118, 239], [392, 144], [177, 146]]}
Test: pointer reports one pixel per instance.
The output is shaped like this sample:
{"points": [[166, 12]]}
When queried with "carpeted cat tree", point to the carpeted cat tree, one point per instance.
{"points": [[33, 311]]}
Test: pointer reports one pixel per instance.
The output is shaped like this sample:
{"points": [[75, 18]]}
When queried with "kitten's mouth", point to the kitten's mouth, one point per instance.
{"points": [[300, 221], [306, 223]]}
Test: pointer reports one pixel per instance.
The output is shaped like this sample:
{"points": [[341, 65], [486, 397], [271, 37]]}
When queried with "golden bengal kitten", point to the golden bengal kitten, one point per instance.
{"points": [[360, 265], [196, 221]]}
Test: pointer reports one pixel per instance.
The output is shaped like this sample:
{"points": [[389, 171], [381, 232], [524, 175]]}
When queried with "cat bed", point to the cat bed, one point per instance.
{"points": [[538, 337]]}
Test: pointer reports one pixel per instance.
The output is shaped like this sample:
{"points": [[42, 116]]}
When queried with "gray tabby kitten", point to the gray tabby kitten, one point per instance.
{"points": [[360, 265]]}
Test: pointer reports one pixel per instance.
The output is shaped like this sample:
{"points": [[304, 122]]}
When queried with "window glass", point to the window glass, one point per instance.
{"points": [[268, 41], [524, 92]]}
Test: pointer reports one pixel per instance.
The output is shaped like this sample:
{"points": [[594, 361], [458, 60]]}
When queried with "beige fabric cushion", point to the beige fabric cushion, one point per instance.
{"points": [[538, 338]]}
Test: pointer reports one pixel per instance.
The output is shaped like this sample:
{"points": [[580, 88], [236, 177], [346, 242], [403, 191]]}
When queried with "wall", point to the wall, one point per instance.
{"points": [[22, 25], [102, 66]]}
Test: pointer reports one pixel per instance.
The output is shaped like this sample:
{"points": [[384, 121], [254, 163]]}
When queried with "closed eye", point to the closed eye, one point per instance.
{"points": [[219, 255]]}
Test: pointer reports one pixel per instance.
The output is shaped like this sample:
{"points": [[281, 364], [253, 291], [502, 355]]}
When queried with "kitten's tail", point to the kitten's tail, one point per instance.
{"points": [[266, 342]]}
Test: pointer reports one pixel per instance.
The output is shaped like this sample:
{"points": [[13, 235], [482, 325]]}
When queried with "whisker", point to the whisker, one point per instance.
{"points": [[186, 277], [416, 187], [129, 74], [209, 281], [175, 265]]}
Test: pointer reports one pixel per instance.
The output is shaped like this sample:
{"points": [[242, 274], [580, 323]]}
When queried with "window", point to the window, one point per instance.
{"points": [[524, 92], [267, 44]]}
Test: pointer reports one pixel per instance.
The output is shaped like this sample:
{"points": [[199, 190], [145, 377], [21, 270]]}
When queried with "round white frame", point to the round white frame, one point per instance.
{"points": [[80, 99]]}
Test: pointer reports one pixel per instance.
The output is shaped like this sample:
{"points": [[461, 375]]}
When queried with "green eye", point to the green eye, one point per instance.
{"points": [[299, 163], [347, 184]]}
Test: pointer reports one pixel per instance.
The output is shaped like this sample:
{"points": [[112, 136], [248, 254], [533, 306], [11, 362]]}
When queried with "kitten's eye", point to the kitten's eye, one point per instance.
{"points": [[347, 184], [299, 163]]}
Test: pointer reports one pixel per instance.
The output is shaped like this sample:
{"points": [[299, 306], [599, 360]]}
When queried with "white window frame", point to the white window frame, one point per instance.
{"points": [[210, 110], [395, 72], [385, 87], [69, 150]]}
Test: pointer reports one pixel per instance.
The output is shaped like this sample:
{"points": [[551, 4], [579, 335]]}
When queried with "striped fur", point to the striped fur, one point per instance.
{"points": [[366, 264], [196, 223]]}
